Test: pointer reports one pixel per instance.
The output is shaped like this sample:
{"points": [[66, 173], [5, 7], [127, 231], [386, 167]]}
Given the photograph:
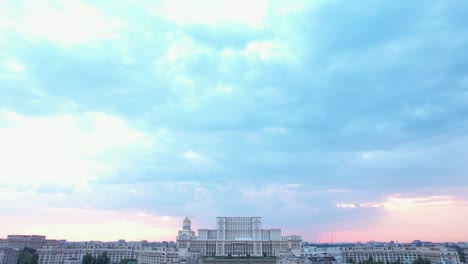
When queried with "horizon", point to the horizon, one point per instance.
{"points": [[309, 242], [324, 116]]}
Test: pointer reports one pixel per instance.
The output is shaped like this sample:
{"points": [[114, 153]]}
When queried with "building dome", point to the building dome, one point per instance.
{"points": [[187, 220]]}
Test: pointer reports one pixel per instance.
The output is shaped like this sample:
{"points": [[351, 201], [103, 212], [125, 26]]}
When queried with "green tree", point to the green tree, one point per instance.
{"points": [[102, 259], [421, 260], [370, 260], [350, 260], [125, 261], [28, 256], [88, 259], [461, 254]]}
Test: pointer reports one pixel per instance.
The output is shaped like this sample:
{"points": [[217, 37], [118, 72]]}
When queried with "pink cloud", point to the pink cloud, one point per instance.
{"points": [[405, 218]]}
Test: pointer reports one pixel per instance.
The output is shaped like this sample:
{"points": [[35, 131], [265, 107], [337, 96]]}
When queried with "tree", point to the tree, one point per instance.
{"points": [[350, 260], [370, 260], [28, 256], [102, 259], [125, 261], [461, 253], [421, 260], [88, 259]]}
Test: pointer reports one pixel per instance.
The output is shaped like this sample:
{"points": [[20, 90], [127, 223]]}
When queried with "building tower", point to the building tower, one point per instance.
{"points": [[186, 226], [185, 237]]}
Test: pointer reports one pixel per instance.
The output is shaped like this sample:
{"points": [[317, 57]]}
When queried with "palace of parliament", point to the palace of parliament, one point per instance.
{"points": [[236, 236]]}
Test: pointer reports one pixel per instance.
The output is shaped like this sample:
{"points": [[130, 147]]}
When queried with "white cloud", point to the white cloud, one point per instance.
{"points": [[14, 67], [397, 202], [181, 49], [11, 69], [61, 22], [222, 89], [265, 50], [64, 149], [214, 12], [345, 205], [193, 155]]}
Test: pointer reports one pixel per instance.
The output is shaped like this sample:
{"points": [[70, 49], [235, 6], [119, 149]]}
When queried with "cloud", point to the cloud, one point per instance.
{"points": [[14, 67], [192, 155], [61, 23], [65, 149], [98, 225], [409, 216], [213, 12], [344, 115]]}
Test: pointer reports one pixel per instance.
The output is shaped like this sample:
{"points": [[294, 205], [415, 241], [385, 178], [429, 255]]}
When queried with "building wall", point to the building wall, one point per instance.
{"points": [[60, 254], [31, 241], [157, 256], [8, 255], [239, 260], [405, 255]]}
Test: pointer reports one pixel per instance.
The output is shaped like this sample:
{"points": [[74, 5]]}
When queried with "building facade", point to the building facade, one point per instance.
{"points": [[157, 255], [8, 255], [30, 241], [387, 255], [60, 254], [236, 236], [116, 253]]}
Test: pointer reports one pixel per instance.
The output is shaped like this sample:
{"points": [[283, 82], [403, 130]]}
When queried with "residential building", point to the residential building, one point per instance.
{"points": [[387, 255], [8, 255], [31, 241], [157, 255]]}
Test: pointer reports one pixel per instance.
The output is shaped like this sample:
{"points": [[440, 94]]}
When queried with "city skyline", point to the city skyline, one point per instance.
{"points": [[327, 118]]}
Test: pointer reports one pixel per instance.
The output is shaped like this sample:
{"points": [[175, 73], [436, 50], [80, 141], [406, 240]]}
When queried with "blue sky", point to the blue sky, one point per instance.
{"points": [[343, 117]]}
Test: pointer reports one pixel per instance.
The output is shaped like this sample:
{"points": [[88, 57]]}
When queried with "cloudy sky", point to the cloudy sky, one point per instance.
{"points": [[327, 118]]}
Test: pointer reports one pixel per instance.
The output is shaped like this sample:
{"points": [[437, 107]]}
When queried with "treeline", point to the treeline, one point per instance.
{"points": [[103, 259]]}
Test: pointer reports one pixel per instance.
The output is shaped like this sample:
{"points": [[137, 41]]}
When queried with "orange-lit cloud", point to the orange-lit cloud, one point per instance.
{"points": [[405, 218]]}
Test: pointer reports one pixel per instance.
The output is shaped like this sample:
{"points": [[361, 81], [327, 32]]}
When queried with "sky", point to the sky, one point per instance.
{"points": [[334, 120]]}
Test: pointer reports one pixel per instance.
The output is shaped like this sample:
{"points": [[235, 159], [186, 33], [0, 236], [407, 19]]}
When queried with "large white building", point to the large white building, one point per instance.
{"points": [[70, 254], [386, 254], [236, 236], [157, 255], [8, 255], [60, 254], [22, 241]]}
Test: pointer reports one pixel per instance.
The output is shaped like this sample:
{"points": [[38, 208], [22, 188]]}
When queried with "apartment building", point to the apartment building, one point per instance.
{"points": [[31, 241], [387, 255], [8, 255], [157, 255], [72, 254]]}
